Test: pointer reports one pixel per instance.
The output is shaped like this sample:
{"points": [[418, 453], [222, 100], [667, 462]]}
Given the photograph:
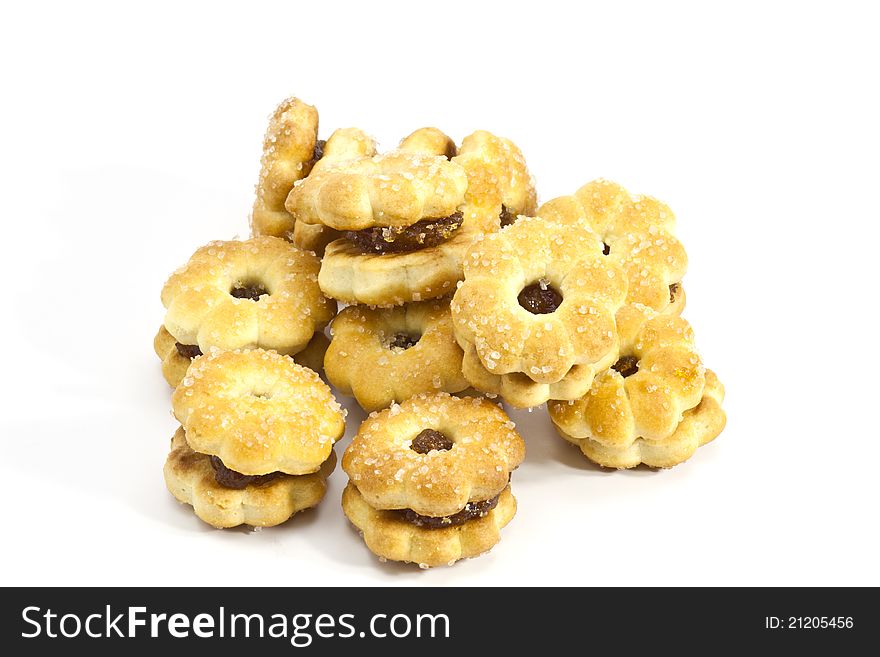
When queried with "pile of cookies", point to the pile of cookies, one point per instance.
{"points": [[457, 291]]}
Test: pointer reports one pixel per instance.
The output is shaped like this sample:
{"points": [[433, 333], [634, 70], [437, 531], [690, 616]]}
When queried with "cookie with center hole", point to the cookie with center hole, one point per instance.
{"points": [[256, 293], [382, 356], [535, 313], [258, 412], [225, 500], [656, 405], [429, 479], [637, 234]]}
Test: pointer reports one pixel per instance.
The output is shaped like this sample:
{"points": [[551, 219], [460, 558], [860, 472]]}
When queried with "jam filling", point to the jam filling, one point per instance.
{"points": [[403, 341], [626, 365], [188, 350], [318, 153], [539, 298], [232, 479], [471, 511], [507, 217], [248, 291], [400, 239], [673, 291], [430, 439]]}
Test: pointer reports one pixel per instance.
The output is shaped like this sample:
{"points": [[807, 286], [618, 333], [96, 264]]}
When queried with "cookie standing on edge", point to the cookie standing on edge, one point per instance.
{"points": [[262, 292], [385, 355], [430, 478], [535, 313], [264, 425], [291, 151]]}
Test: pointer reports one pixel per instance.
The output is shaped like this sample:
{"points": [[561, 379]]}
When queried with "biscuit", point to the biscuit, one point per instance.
{"points": [[190, 477], [438, 463], [290, 148], [656, 405], [262, 292], [258, 411], [395, 189], [535, 313], [388, 535], [176, 357], [383, 356], [175, 361], [496, 174], [636, 232]]}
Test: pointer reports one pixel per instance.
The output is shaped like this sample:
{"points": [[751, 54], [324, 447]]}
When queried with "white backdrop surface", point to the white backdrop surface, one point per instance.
{"points": [[131, 136]]}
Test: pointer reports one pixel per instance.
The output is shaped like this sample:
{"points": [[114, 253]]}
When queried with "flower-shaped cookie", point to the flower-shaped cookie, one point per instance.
{"points": [[656, 405], [429, 478], [176, 357], [409, 215], [636, 232], [393, 471], [396, 189], [258, 412], [383, 356], [390, 535], [261, 292], [290, 148], [535, 313], [192, 479]]}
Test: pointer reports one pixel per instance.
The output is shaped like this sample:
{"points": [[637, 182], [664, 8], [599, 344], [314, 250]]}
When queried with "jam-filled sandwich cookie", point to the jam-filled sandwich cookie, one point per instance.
{"points": [[383, 356], [262, 292], [636, 233], [291, 150], [656, 405], [429, 478], [256, 442], [177, 357], [535, 313], [407, 216]]}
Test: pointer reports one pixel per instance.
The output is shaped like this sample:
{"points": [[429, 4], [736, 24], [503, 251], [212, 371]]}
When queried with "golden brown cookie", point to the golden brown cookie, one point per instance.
{"points": [[390, 536], [535, 313], [396, 189], [175, 361], [655, 405], [410, 215], [258, 411], [192, 479], [636, 232], [176, 357], [423, 471], [383, 356], [290, 148], [261, 292]]}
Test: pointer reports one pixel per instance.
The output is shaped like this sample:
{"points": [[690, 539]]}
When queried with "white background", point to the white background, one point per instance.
{"points": [[130, 137]]}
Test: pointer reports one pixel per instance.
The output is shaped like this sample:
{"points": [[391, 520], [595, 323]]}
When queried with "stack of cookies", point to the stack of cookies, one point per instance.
{"points": [[456, 291]]}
